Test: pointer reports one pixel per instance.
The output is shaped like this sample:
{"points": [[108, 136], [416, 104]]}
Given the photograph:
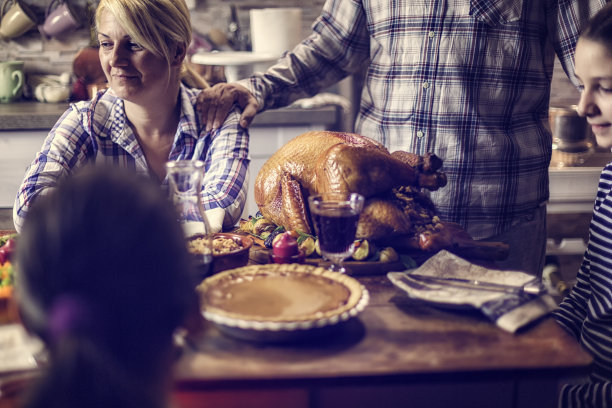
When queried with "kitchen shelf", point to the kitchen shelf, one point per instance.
{"points": [[573, 189]]}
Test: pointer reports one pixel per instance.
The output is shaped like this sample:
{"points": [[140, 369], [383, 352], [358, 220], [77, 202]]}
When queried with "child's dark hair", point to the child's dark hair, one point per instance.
{"points": [[599, 28], [104, 278]]}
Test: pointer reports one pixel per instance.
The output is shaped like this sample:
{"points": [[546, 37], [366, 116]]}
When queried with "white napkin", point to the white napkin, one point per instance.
{"points": [[17, 349], [510, 311], [215, 219]]}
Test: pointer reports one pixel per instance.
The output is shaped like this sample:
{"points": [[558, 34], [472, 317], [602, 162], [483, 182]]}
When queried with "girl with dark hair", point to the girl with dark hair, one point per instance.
{"points": [[587, 311], [103, 278]]}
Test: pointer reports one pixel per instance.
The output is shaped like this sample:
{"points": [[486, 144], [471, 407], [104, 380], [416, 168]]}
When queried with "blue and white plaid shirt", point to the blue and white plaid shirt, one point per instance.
{"points": [[98, 131], [466, 79]]}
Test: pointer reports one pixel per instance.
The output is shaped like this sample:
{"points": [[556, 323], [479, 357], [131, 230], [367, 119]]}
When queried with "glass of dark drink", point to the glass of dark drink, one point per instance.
{"points": [[335, 217]]}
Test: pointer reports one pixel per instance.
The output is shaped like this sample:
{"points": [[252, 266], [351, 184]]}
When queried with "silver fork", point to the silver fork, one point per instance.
{"points": [[533, 287]]}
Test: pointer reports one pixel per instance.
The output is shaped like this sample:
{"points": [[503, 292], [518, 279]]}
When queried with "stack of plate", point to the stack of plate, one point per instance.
{"points": [[238, 64]]}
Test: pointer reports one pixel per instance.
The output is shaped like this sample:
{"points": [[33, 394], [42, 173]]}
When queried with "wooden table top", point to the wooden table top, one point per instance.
{"points": [[393, 339]]}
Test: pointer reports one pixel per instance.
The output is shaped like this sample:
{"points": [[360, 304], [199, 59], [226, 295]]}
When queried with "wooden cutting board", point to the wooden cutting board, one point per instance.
{"points": [[484, 253], [261, 255]]}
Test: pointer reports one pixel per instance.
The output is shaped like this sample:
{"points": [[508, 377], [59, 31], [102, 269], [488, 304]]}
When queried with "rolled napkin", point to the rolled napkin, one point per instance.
{"points": [[511, 299], [215, 218]]}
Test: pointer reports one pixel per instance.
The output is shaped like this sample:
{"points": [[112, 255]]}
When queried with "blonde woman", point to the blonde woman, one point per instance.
{"points": [[147, 116]]}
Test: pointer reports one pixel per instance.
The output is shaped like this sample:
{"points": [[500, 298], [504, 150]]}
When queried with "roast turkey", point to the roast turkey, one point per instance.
{"points": [[396, 210]]}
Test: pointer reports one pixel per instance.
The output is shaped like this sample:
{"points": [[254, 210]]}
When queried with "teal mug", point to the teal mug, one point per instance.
{"points": [[12, 80]]}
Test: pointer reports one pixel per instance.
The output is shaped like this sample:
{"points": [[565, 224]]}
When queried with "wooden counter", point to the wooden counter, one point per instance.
{"points": [[395, 351], [24, 126]]}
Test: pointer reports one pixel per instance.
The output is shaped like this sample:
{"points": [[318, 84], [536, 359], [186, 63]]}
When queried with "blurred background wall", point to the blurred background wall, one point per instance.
{"points": [[54, 56]]}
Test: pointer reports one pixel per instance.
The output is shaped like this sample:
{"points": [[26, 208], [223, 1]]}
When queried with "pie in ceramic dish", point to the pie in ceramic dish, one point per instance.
{"points": [[279, 301]]}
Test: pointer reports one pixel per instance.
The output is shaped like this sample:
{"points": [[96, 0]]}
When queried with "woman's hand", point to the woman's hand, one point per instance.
{"points": [[216, 102]]}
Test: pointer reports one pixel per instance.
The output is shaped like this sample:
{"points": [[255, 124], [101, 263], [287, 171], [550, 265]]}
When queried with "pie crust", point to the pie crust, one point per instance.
{"points": [[281, 297]]}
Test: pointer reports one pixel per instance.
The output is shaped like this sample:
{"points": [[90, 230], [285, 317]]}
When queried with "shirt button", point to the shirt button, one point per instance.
{"points": [[432, 34], [425, 85], [420, 133]]}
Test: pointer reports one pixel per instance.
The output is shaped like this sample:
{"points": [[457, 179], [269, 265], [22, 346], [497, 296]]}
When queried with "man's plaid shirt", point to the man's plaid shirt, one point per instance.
{"points": [[466, 79]]}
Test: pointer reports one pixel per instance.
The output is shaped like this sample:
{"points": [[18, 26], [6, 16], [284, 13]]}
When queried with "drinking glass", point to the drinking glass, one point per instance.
{"points": [[335, 217], [185, 190]]}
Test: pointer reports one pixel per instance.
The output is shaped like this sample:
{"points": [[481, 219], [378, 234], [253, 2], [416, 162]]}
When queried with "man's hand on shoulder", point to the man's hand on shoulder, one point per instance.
{"points": [[215, 103]]}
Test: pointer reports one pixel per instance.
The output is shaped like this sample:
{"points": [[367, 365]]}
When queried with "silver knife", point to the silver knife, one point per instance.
{"points": [[533, 287]]}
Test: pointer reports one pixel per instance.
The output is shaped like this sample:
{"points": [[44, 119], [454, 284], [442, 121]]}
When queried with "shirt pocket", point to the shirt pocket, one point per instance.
{"points": [[496, 12]]}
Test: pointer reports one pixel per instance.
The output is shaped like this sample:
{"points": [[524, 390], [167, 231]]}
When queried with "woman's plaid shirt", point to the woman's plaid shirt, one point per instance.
{"points": [[98, 131]]}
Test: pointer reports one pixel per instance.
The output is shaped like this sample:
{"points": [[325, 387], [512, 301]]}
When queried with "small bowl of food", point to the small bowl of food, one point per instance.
{"points": [[8, 310], [230, 251]]}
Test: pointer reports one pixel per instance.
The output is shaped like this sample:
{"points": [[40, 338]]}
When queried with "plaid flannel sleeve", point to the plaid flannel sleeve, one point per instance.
{"points": [[64, 149], [338, 46], [227, 161]]}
